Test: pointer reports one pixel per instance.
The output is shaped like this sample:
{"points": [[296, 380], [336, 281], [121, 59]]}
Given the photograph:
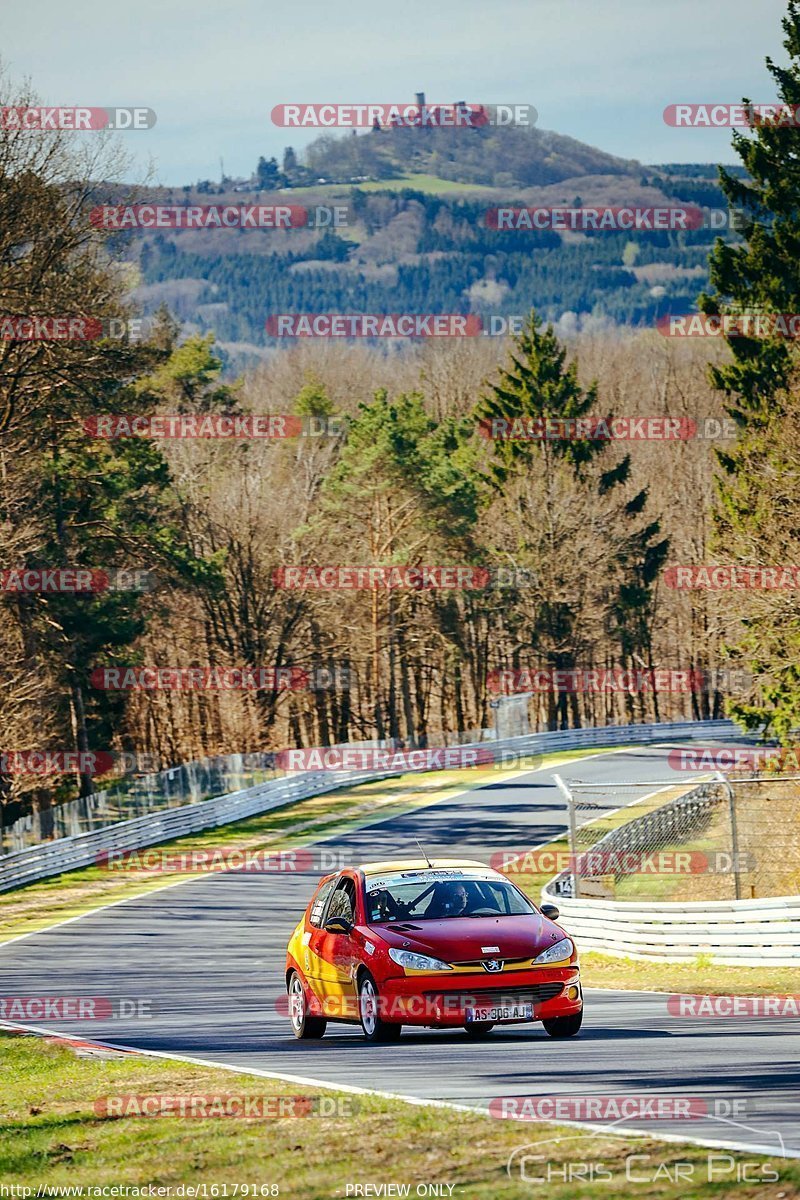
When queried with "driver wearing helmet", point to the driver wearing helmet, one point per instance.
{"points": [[450, 901]]}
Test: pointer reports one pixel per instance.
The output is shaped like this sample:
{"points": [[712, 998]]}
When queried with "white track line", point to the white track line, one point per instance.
{"points": [[93, 911], [194, 878], [405, 1099], [421, 1102]]}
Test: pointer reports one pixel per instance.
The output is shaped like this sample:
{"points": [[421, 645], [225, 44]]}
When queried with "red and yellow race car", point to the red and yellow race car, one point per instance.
{"points": [[446, 944]]}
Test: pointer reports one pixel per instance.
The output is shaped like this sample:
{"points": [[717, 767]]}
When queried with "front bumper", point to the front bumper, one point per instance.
{"points": [[432, 1000]]}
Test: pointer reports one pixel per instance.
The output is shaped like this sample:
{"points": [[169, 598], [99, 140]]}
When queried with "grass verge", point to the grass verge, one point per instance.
{"points": [[432, 184], [700, 976], [768, 833], [52, 1135]]}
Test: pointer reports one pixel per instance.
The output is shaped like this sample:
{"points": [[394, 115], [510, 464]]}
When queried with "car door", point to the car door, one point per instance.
{"points": [[310, 961], [336, 954]]}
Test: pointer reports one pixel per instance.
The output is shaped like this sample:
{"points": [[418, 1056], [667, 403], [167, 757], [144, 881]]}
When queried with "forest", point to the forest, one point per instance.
{"points": [[565, 550]]}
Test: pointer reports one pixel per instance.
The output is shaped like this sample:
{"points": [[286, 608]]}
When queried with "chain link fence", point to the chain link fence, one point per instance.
{"points": [[733, 837], [139, 795]]}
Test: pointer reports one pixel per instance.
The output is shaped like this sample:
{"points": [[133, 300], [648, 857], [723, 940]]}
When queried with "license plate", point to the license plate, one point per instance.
{"points": [[501, 1012]]}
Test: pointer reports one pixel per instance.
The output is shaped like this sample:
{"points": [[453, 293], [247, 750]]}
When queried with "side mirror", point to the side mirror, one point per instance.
{"points": [[338, 925], [550, 911]]}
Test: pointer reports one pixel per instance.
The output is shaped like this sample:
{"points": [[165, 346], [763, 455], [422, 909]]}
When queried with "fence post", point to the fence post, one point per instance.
{"points": [[726, 783], [573, 833]]}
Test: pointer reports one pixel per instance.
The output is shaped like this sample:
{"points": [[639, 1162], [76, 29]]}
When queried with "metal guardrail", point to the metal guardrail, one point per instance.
{"points": [[139, 795], [69, 853], [82, 850], [743, 933]]}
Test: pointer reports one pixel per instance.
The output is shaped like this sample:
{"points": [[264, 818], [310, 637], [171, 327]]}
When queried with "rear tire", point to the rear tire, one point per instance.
{"points": [[479, 1029], [564, 1027], [304, 1025], [375, 1029]]}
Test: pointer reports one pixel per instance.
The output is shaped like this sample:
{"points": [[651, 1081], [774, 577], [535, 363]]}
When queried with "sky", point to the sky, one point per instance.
{"points": [[599, 72]]}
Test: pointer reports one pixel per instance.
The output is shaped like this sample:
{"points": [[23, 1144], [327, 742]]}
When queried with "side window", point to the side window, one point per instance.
{"points": [[318, 907], [343, 900]]}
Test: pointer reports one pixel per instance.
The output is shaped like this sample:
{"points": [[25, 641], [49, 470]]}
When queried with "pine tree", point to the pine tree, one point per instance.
{"points": [[111, 504], [539, 385], [758, 505], [404, 492], [268, 176], [762, 275]]}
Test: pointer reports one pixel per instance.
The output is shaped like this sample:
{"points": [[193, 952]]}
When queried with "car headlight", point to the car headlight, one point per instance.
{"points": [[417, 962], [556, 953]]}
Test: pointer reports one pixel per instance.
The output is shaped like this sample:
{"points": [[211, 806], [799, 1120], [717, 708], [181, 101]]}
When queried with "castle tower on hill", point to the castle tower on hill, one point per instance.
{"points": [[419, 100], [467, 115]]}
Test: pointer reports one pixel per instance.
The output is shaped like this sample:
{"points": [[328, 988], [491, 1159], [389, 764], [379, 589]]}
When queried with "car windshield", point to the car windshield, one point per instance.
{"points": [[427, 899]]}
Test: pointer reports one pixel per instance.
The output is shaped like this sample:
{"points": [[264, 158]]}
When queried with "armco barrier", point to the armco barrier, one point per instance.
{"points": [[738, 933], [139, 795], [81, 850]]}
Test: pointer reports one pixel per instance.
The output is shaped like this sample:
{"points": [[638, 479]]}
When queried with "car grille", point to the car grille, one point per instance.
{"points": [[509, 964], [529, 995]]}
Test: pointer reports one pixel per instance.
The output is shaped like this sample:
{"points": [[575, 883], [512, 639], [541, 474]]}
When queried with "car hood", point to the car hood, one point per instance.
{"points": [[464, 939]]}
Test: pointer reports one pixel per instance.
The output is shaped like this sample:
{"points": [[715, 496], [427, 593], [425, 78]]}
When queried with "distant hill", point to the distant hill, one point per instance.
{"points": [[417, 238], [498, 158]]}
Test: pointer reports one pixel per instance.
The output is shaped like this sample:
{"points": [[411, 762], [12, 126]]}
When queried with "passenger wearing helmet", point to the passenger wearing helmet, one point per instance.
{"points": [[384, 907]]}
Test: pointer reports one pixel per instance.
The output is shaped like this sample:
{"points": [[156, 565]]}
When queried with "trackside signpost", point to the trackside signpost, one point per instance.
{"points": [[573, 834]]}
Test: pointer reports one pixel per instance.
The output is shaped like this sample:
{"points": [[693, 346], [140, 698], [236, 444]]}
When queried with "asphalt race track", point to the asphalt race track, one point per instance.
{"points": [[208, 956]]}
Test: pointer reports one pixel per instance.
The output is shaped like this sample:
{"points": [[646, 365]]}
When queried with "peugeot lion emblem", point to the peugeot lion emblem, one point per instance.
{"points": [[493, 965]]}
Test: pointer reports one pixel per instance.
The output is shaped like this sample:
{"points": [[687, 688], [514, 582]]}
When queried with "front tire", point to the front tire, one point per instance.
{"points": [[564, 1027], [374, 1027], [304, 1025]]}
